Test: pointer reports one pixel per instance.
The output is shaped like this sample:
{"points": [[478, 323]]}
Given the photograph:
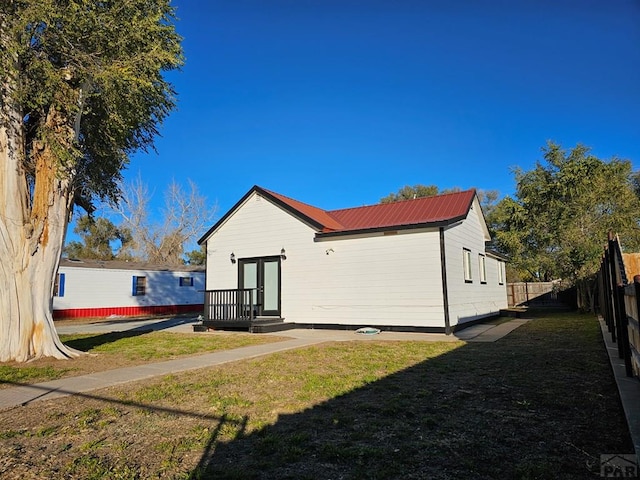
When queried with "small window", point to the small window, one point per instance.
{"points": [[482, 263], [58, 285], [501, 273], [139, 286], [466, 259], [186, 281]]}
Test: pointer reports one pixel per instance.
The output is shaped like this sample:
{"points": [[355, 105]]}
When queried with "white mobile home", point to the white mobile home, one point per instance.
{"points": [[416, 265], [94, 288]]}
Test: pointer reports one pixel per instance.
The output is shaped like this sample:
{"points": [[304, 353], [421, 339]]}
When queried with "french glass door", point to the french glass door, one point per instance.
{"points": [[263, 276]]}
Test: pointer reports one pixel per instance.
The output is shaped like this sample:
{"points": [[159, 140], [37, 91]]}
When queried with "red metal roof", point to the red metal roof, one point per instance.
{"points": [[441, 208], [318, 215]]}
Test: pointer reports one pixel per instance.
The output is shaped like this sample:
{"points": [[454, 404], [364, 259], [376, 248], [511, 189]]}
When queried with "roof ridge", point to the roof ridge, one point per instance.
{"points": [[406, 200]]}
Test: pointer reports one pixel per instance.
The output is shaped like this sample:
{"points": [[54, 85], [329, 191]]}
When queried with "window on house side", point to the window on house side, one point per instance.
{"points": [[186, 281], [483, 268], [58, 286], [466, 259], [139, 286], [501, 273]]}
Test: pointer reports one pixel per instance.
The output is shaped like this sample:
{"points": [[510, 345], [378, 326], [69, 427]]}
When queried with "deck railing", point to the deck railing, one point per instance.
{"points": [[230, 305]]}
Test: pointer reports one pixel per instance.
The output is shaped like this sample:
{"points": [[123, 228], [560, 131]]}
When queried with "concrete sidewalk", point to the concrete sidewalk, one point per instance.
{"points": [[482, 332], [26, 394], [489, 333], [628, 388]]}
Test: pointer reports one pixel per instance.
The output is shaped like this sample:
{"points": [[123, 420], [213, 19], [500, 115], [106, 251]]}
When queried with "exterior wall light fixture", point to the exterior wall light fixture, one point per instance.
{"points": [[283, 254], [232, 257]]}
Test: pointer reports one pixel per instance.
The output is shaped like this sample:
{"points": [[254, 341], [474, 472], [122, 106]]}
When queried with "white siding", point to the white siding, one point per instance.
{"points": [[373, 279], [104, 287], [364, 280], [379, 279], [258, 229], [471, 300]]}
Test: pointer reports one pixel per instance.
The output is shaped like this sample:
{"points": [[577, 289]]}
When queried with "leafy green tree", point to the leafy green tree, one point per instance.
{"points": [[81, 88], [99, 236], [557, 223], [488, 202], [488, 198], [197, 256], [410, 192]]}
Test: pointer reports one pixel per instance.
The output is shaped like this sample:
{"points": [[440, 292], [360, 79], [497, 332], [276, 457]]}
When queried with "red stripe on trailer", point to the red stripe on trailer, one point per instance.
{"points": [[128, 311]]}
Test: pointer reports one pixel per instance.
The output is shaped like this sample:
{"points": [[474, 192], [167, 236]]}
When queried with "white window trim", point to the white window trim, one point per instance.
{"points": [[482, 265], [466, 265]]}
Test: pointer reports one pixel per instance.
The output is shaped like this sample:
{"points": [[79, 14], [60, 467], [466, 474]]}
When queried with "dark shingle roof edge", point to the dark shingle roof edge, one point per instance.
{"points": [[125, 265]]}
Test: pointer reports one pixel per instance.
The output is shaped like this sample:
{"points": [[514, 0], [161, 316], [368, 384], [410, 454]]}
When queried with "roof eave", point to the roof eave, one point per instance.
{"points": [[391, 228], [128, 265], [497, 255]]}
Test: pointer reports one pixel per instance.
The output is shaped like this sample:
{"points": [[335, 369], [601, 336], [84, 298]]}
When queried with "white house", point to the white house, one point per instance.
{"points": [[415, 265], [95, 288]]}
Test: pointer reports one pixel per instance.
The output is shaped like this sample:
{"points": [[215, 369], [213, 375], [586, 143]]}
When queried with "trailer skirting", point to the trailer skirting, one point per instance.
{"points": [[135, 311]]}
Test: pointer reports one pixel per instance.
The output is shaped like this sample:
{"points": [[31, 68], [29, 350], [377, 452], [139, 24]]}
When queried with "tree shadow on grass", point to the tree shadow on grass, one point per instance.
{"points": [[532, 405], [219, 421], [170, 322], [87, 343], [538, 404]]}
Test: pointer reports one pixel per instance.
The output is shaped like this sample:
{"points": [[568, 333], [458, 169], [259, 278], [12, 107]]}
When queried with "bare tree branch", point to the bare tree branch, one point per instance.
{"points": [[184, 216]]}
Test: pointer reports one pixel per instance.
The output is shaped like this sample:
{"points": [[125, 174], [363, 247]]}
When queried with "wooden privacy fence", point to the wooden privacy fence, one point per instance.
{"points": [[532, 294], [619, 305]]}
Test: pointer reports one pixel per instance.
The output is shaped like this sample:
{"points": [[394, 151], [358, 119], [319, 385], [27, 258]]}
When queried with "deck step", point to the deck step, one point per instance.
{"points": [[257, 325], [271, 327]]}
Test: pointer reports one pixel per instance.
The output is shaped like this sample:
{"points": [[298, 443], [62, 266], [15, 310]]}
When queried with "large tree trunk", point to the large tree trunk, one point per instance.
{"points": [[33, 221], [59, 62]]}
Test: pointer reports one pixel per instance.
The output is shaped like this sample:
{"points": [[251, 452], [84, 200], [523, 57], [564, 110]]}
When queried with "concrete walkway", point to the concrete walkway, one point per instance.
{"points": [[628, 388], [26, 394], [489, 333]]}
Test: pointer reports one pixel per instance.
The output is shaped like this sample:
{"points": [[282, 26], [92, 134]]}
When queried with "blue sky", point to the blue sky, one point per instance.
{"points": [[337, 103]]}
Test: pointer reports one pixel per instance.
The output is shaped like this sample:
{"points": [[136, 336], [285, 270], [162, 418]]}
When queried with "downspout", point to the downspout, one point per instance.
{"points": [[445, 290]]}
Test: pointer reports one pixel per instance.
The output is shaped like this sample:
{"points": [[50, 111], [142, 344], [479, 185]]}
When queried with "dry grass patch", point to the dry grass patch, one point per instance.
{"points": [[538, 404], [124, 349]]}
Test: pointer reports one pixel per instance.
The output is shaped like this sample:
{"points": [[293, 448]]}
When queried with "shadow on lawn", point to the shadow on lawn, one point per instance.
{"points": [[536, 404], [124, 329], [87, 343], [170, 322], [540, 403], [220, 421]]}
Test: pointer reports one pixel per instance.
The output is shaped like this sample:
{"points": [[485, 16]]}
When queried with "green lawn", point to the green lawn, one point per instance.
{"points": [[123, 349], [538, 404]]}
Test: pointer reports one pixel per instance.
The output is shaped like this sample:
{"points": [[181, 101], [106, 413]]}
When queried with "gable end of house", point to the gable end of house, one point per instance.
{"points": [[291, 206]]}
